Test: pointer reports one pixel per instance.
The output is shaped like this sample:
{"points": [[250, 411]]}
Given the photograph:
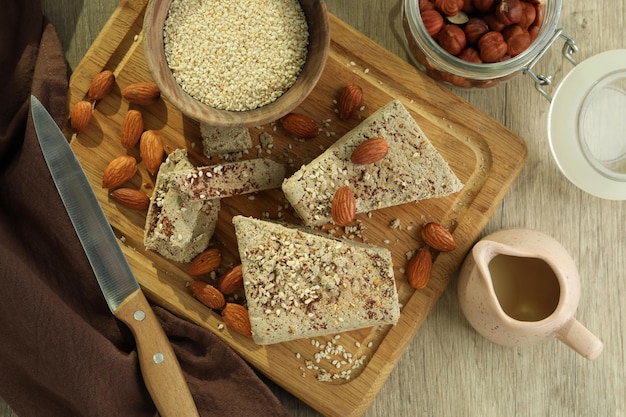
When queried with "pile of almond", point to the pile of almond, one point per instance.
{"points": [[230, 282], [121, 169]]}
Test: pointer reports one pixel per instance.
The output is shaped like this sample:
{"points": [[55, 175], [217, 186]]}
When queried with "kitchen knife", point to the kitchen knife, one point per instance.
{"points": [[159, 366]]}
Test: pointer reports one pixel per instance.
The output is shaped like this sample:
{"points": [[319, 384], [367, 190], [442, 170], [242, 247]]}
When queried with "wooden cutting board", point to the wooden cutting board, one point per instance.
{"points": [[485, 155]]}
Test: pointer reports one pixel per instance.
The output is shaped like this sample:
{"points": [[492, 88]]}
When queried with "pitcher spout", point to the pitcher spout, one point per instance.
{"points": [[485, 251]]}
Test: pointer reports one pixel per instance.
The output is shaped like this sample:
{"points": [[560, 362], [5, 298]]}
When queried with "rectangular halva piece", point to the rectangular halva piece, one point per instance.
{"points": [[301, 284]]}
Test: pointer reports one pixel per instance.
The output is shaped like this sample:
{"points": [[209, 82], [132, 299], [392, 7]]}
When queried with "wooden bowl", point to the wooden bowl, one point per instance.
{"points": [[319, 40]]}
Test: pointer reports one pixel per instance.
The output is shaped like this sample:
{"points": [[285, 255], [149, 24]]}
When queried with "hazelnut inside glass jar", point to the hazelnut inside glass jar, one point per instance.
{"points": [[497, 40]]}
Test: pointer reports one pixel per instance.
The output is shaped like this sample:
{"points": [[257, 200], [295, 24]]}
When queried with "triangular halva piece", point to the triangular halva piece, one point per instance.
{"points": [[300, 283], [412, 170]]}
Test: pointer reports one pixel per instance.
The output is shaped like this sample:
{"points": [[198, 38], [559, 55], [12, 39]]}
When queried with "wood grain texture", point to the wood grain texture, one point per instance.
{"points": [[448, 369]]}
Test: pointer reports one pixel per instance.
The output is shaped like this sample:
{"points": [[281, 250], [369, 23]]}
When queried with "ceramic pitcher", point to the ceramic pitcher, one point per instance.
{"points": [[519, 287]]}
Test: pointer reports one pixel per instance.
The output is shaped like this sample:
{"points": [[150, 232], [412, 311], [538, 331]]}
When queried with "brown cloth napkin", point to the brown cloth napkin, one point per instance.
{"points": [[62, 353]]}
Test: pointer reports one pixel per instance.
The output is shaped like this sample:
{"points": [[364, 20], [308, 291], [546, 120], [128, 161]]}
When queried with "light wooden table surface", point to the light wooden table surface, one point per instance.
{"points": [[448, 369]]}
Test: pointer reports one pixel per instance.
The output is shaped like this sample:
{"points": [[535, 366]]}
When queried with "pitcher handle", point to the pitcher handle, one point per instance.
{"points": [[577, 337]]}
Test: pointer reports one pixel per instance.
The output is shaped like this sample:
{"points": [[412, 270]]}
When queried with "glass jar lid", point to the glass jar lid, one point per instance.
{"points": [[587, 125]]}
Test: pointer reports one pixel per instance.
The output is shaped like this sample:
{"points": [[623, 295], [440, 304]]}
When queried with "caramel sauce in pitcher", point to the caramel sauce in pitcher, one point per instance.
{"points": [[527, 288]]}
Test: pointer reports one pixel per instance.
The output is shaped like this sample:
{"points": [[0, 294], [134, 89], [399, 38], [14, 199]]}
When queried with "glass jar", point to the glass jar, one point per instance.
{"points": [[586, 123], [431, 58]]}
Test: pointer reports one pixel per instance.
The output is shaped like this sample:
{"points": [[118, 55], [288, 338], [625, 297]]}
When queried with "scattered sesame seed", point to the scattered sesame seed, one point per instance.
{"points": [[395, 224], [335, 356]]}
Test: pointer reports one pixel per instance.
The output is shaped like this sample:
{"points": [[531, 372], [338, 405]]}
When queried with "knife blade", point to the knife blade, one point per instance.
{"points": [[160, 368]]}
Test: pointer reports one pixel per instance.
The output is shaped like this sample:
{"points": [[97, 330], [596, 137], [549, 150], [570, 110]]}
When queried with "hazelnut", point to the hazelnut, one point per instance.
{"points": [[509, 12], [468, 7], [494, 23], [511, 31], [425, 5], [433, 21], [492, 46], [470, 54], [540, 10], [448, 7], [484, 6], [518, 43], [456, 80], [533, 31], [474, 29], [452, 39], [528, 16]]}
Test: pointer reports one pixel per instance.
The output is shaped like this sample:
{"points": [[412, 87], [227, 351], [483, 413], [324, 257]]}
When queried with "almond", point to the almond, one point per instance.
{"points": [[237, 318], [350, 101], [419, 268], [205, 262], [132, 128], [101, 85], [207, 294], [81, 115], [370, 151], [438, 237], [300, 126], [131, 198], [152, 151], [343, 208], [119, 170], [142, 93], [232, 280]]}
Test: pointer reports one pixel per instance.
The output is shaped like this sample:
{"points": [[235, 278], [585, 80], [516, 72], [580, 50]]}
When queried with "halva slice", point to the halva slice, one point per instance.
{"points": [[218, 140], [229, 179], [412, 169], [300, 283], [178, 226]]}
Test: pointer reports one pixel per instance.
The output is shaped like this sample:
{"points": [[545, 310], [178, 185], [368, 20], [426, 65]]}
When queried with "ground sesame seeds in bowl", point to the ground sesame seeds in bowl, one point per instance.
{"points": [[236, 62]]}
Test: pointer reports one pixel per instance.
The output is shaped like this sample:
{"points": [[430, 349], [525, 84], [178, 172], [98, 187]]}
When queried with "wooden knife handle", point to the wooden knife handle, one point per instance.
{"points": [[159, 366]]}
